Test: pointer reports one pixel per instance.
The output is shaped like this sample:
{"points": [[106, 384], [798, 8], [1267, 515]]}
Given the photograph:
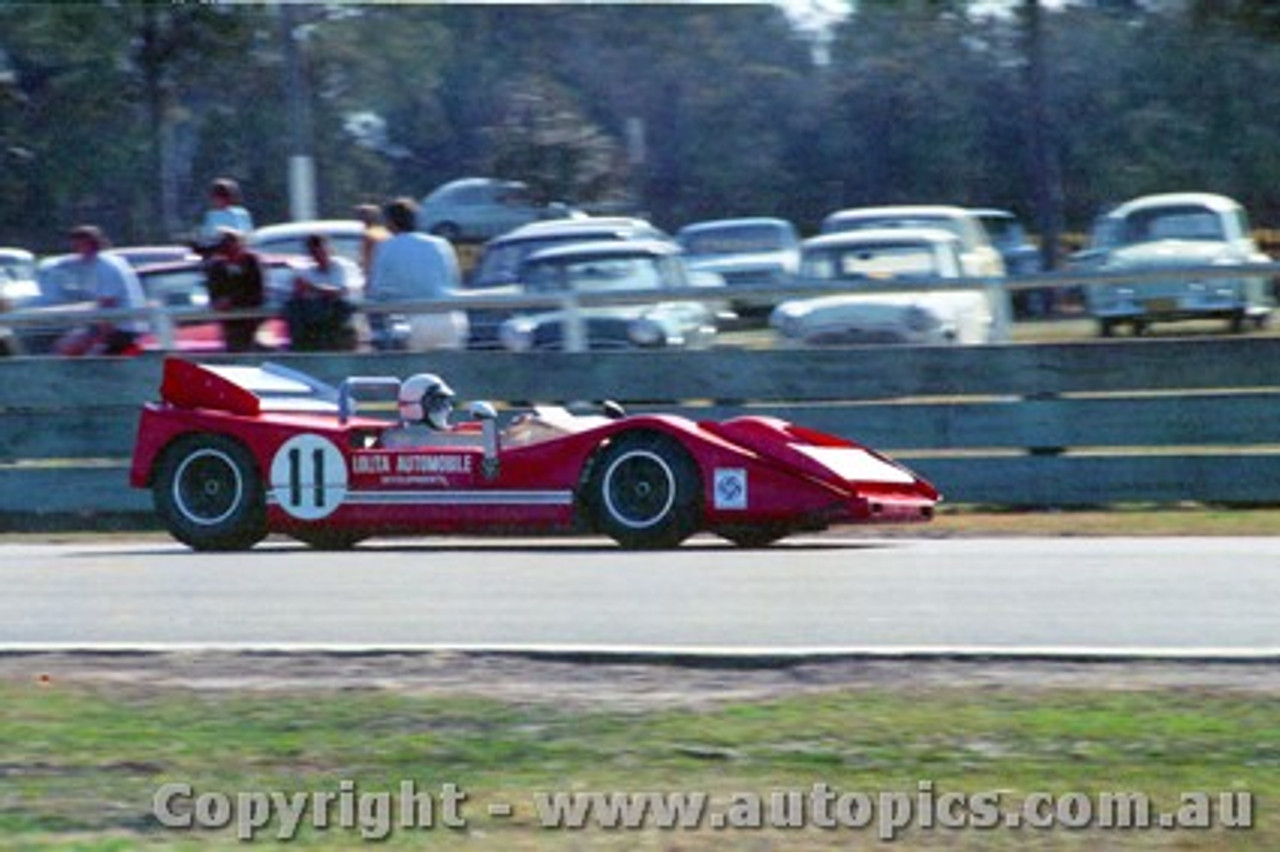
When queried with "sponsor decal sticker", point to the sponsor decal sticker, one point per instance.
{"points": [[730, 488]]}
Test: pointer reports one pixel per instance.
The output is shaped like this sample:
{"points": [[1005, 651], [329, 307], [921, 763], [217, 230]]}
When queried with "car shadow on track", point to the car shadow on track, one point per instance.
{"points": [[288, 547]]}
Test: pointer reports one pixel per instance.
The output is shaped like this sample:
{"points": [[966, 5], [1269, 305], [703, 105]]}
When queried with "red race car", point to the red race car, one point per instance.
{"points": [[233, 453]]}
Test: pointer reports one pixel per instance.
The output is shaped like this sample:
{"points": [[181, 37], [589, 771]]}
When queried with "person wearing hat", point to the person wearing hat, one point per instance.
{"points": [[236, 282], [225, 211], [113, 284]]}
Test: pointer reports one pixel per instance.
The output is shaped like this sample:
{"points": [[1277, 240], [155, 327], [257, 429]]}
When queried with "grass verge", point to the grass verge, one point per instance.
{"points": [[81, 762]]}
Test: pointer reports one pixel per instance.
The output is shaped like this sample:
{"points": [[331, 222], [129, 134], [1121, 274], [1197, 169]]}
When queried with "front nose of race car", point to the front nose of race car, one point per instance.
{"points": [[849, 482], [879, 490]]}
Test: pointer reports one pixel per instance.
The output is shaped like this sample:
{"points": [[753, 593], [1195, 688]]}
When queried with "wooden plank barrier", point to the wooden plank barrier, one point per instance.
{"points": [[1091, 423]]}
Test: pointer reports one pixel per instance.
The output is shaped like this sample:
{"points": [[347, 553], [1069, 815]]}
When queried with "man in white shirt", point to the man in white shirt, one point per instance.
{"points": [[113, 284], [411, 266]]}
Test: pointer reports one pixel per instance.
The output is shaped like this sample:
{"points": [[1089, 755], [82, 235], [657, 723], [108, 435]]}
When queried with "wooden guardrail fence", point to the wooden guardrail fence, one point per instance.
{"points": [[1014, 425]]}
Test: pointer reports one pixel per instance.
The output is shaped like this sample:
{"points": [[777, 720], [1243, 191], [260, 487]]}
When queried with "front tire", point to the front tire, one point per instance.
{"points": [[208, 491], [645, 491], [752, 537], [328, 539]]}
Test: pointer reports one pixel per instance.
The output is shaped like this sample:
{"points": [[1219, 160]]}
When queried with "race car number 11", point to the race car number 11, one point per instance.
{"points": [[308, 477]]}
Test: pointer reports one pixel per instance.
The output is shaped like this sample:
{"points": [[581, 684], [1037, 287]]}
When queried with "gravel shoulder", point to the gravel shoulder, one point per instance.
{"points": [[612, 684]]}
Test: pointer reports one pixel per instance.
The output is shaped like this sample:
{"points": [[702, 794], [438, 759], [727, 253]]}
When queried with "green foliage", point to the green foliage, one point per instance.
{"points": [[122, 113]]}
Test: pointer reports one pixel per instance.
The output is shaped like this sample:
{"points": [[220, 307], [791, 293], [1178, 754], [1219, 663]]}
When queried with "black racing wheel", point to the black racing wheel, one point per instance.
{"points": [[761, 535], [329, 539], [644, 491], [208, 491]]}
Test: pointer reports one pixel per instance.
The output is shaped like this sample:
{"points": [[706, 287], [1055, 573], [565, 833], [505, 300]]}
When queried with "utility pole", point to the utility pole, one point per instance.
{"points": [[302, 166], [1046, 171]]}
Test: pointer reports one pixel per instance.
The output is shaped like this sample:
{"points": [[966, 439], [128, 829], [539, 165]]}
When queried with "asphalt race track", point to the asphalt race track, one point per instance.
{"points": [[1175, 596]]}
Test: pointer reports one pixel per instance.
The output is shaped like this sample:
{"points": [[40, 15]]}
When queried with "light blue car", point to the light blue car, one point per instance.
{"points": [[477, 209]]}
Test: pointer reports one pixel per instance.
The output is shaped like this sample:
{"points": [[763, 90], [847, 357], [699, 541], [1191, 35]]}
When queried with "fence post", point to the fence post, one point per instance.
{"points": [[1001, 309], [574, 328]]}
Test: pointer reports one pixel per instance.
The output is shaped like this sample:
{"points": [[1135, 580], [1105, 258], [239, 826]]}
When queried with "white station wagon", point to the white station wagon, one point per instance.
{"points": [[1171, 231], [923, 313]]}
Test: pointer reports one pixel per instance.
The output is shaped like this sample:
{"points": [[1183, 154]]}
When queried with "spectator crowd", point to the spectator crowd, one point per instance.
{"points": [[397, 262]]}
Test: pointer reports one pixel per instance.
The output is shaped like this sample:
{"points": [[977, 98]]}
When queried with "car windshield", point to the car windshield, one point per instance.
{"points": [[1173, 223], [595, 275], [874, 261], [1004, 230], [738, 239]]}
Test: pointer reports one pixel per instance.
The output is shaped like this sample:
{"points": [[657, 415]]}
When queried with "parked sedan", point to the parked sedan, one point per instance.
{"points": [[979, 256], [1021, 257], [18, 288], [345, 237], [498, 270], [751, 251], [1179, 230], [601, 267], [925, 314], [481, 208]]}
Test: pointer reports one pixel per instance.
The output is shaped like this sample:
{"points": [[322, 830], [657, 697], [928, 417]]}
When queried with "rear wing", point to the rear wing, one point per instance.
{"points": [[247, 391]]}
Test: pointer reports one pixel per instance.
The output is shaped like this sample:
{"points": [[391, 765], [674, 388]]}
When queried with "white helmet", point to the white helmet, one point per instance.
{"points": [[425, 398]]}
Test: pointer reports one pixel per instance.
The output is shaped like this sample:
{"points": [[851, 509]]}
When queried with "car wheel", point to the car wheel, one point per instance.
{"points": [[645, 491], [751, 537], [1235, 325], [209, 494], [329, 539], [448, 231], [1106, 328]]}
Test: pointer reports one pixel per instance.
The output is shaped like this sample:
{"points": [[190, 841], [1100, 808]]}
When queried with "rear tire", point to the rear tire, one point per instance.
{"points": [[208, 491], [645, 492]]}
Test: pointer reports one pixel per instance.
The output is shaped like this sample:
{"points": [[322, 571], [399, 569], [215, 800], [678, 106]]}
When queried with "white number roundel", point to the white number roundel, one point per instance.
{"points": [[308, 477]]}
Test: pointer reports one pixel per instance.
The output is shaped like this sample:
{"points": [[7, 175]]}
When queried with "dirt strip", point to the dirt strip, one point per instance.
{"points": [[601, 683]]}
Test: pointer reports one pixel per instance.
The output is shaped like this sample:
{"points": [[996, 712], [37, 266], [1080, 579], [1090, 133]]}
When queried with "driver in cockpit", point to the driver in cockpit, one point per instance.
{"points": [[426, 403]]}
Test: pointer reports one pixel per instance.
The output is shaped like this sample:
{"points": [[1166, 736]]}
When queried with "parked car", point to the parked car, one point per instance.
{"points": [[978, 255], [611, 266], [750, 251], [1021, 258], [17, 266], [345, 237], [1104, 235], [182, 286], [919, 257], [18, 288], [170, 286], [1020, 255], [498, 270], [1179, 230], [137, 256], [473, 209]]}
